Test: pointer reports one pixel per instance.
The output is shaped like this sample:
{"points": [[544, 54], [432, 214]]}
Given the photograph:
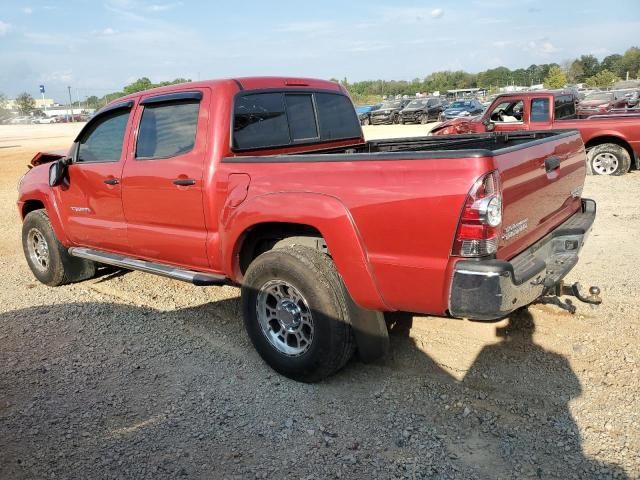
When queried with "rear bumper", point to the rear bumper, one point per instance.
{"points": [[492, 289]]}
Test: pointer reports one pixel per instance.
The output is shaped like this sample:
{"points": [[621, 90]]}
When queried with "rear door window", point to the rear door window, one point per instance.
{"points": [[167, 129]]}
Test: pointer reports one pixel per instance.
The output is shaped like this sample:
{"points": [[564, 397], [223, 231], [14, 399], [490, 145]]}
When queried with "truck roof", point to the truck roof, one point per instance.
{"points": [[244, 83], [531, 93]]}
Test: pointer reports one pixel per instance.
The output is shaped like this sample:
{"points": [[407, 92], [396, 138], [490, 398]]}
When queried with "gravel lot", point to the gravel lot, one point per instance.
{"points": [[135, 376]]}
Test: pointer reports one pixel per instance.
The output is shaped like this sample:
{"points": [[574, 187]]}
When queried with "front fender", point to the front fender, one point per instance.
{"points": [[325, 213], [35, 187]]}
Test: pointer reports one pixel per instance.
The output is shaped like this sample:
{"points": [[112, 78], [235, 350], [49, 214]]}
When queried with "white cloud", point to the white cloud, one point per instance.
{"points": [[547, 47], [437, 12], [4, 28], [27, 10], [313, 27], [164, 7], [109, 31]]}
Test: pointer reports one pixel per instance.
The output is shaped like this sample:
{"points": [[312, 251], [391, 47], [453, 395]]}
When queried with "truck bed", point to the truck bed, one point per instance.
{"points": [[446, 146]]}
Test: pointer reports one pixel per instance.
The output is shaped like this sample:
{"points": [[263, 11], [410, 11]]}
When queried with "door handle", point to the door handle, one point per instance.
{"points": [[184, 182], [551, 164], [111, 181]]}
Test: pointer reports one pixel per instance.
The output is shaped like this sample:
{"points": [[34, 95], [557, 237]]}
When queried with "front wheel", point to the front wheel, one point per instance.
{"points": [[608, 159], [296, 313], [47, 258]]}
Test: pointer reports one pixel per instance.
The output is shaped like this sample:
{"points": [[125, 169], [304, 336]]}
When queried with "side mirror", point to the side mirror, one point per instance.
{"points": [[489, 125], [57, 171]]}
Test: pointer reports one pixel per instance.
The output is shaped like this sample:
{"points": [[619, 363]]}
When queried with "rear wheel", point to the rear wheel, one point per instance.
{"points": [[608, 159], [296, 313], [424, 118], [47, 258]]}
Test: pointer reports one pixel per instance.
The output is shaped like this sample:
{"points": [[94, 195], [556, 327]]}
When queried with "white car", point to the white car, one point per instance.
{"points": [[44, 120]]}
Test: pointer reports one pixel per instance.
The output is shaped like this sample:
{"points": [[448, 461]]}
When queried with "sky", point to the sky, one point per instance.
{"points": [[98, 46]]}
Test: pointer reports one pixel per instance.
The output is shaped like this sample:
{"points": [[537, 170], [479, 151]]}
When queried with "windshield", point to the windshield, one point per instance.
{"points": [[600, 96], [417, 103], [393, 104], [461, 104]]}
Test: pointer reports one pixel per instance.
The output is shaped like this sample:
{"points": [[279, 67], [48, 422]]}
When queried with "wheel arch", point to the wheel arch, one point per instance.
{"points": [[33, 201], [321, 218], [612, 138]]}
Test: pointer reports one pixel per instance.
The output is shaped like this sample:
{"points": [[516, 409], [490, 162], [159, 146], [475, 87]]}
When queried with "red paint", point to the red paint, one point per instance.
{"points": [[389, 225]]}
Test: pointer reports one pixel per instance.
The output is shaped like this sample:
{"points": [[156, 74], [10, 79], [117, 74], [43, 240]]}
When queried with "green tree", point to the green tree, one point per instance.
{"points": [[555, 78], [139, 85], [605, 78], [613, 63], [25, 103], [586, 66], [630, 62]]}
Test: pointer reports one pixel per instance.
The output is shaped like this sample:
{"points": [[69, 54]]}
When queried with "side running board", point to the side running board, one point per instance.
{"points": [[197, 278]]}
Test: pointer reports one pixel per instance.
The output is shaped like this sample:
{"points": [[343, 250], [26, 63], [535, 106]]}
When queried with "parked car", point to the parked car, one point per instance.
{"points": [[612, 140], [463, 108], [364, 113], [389, 112], [43, 120], [283, 197], [600, 102], [421, 110], [21, 120]]}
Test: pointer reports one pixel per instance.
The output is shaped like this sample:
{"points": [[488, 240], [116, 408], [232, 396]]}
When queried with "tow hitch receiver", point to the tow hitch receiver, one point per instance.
{"points": [[561, 290]]}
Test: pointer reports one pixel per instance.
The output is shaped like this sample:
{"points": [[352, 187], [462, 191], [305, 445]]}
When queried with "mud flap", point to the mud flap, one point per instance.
{"points": [[370, 332]]}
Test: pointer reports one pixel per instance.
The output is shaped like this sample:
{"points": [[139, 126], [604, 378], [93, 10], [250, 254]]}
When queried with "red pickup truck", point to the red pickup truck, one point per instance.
{"points": [[612, 141], [268, 183]]}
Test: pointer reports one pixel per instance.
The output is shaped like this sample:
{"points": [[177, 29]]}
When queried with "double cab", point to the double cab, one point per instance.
{"points": [[268, 184]]}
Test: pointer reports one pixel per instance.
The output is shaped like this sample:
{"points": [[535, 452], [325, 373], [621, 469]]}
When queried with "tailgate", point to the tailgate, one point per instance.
{"points": [[542, 184]]}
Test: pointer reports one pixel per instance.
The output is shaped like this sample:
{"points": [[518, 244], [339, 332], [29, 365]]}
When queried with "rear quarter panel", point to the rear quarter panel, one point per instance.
{"points": [[405, 213]]}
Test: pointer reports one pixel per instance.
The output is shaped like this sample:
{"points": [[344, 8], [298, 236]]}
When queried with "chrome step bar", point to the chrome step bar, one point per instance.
{"points": [[200, 279]]}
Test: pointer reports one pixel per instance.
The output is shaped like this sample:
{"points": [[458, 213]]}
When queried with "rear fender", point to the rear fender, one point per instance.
{"points": [[325, 213]]}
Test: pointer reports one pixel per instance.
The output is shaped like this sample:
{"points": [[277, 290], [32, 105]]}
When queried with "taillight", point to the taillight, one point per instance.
{"points": [[481, 219]]}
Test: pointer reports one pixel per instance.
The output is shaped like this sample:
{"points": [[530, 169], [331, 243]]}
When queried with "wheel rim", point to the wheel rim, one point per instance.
{"points": [[605, 163], [38, 249], [285, 318]]}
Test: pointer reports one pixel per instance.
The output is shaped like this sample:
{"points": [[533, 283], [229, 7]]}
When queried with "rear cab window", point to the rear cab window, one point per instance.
{"points": [[279, 119], [564, 107]]}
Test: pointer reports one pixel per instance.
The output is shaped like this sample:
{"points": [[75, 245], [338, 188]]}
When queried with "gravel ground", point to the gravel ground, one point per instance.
{"points": [[135, 376]]}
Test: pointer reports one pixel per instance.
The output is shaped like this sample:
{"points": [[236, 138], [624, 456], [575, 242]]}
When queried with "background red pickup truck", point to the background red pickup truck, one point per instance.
{"points": [[612, 141], [268, 183]]}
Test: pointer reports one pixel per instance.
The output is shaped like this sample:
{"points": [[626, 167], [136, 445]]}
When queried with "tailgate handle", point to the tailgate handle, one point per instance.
{"points": [[551, 164]]}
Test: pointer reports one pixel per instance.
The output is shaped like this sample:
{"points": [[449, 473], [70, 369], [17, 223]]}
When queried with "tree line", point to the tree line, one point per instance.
{"points": [[585, 69]]}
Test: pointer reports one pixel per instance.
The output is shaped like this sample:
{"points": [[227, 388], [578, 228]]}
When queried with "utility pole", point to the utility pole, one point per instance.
{"points": [[70, 105]]}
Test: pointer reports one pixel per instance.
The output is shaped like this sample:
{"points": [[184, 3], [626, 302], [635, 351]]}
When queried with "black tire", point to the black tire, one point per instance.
{"points": [[424, 119], [59, 267], [608, 159], [366, 121], [312, 275], [396, 119]]}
